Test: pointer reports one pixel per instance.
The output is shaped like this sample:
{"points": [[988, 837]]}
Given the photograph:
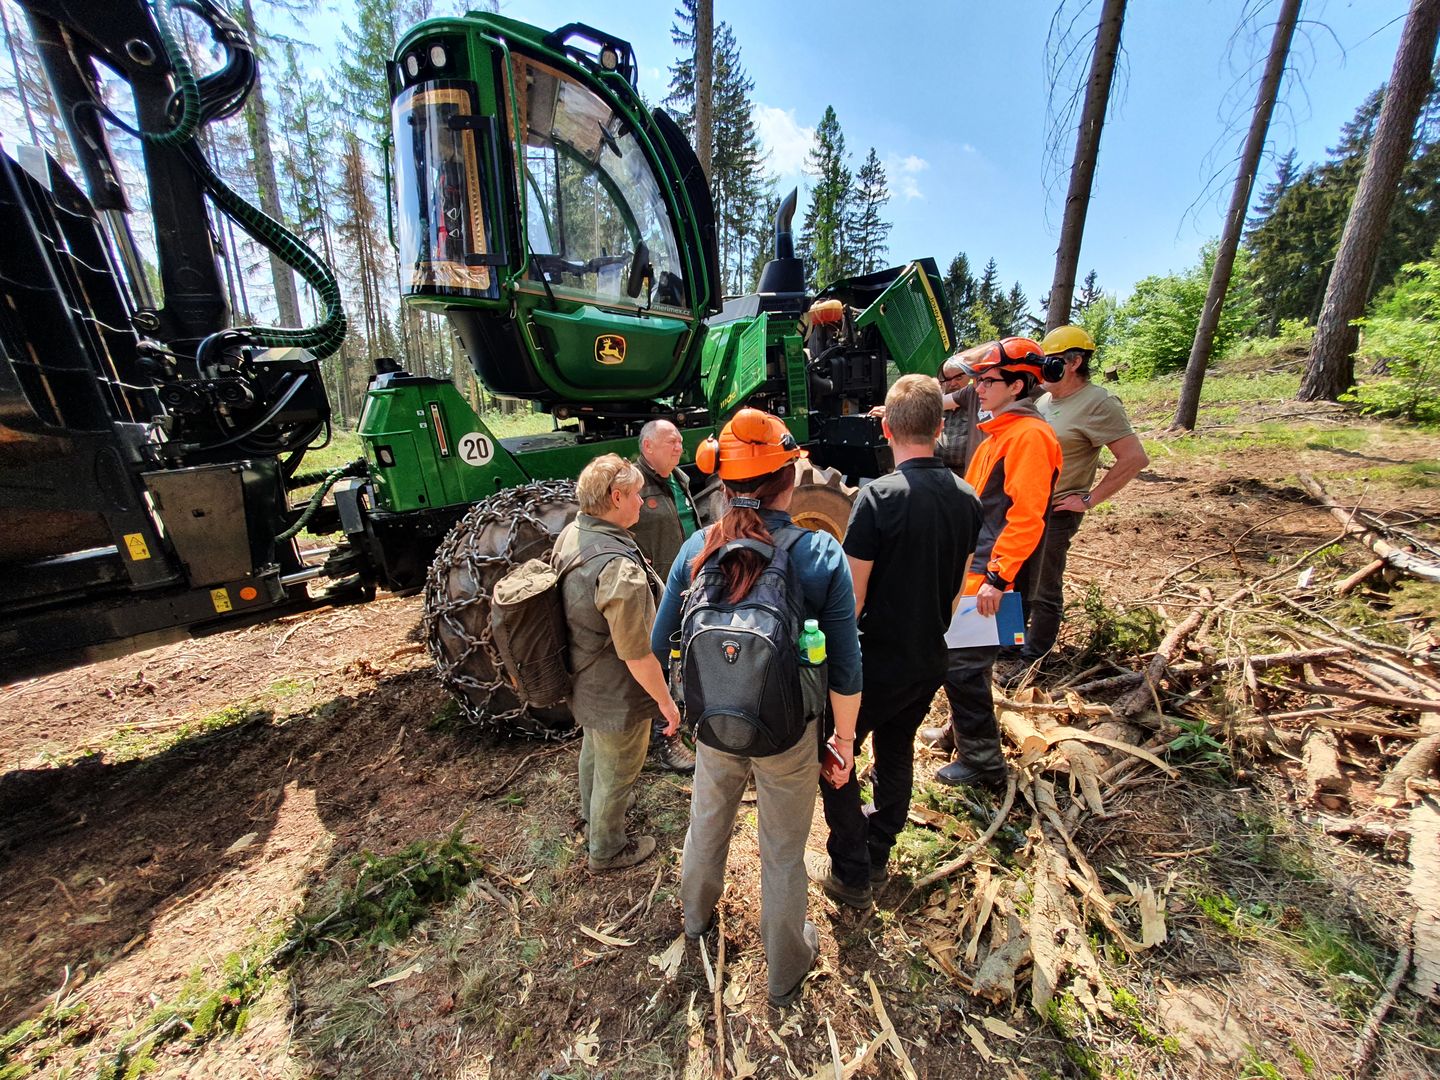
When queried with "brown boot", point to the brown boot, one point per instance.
{"points": [[940, 738], [636, 851]]}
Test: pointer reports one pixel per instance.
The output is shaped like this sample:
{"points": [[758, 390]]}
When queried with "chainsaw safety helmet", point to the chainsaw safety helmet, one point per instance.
{"points": [[963, 363], [752, 444], [1063, 340], [1011, 356]]}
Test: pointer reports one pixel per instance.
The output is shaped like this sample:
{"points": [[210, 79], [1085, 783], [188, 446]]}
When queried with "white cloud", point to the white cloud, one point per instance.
{"points": [[786, 142], [904, 175], [967, 148]]}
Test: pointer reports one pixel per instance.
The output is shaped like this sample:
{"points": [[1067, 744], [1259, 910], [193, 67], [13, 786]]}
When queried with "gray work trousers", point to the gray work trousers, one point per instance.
{"points": [[785, 788], [610, 763]]}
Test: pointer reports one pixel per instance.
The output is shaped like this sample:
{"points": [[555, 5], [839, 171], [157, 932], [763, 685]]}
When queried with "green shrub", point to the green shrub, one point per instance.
{"points": [[1404, 334], [1155, 327]]}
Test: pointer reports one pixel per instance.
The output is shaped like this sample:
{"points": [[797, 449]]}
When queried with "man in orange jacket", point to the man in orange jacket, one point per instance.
{"points": [[1013, 471]]}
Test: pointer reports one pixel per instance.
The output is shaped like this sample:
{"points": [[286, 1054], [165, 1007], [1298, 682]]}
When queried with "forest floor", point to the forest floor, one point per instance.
{"points": [[182, 831]]}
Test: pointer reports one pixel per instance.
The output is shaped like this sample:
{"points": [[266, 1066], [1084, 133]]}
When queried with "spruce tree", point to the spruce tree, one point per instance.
{"points": [[823, 243], [868, 229], [961, 293], [1089, 293]]}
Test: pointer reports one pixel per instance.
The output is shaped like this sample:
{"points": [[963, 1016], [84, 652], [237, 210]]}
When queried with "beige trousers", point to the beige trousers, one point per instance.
{"points": [[786, 786]]}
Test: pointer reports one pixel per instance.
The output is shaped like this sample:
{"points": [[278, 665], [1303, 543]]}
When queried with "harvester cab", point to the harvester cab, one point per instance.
{"points": [[565, 229]]}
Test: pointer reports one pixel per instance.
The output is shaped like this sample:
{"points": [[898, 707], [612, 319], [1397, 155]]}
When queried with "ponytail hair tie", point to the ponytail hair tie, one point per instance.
{"points": [[745, 502]]}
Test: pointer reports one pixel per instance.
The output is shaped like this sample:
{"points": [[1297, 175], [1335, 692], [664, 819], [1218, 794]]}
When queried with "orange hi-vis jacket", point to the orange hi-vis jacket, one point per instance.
{"points": [[1013, 472]]}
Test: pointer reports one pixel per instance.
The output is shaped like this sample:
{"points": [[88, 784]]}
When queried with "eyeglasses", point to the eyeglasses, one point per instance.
{"points": [[991, 380]]}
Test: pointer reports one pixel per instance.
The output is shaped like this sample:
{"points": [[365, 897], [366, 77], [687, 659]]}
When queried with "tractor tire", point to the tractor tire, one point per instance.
{"points": [[496, 534], [822, 500]]}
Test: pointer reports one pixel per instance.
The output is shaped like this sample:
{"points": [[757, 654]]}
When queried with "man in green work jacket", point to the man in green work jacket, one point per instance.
{"points": [[667, 517]]}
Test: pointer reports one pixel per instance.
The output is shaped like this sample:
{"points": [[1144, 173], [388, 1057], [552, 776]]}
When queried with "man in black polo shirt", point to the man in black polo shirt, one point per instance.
{"points": [[909, 544]]}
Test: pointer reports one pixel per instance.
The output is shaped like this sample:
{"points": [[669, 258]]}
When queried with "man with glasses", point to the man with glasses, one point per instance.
{"points": [[1013, 472]]}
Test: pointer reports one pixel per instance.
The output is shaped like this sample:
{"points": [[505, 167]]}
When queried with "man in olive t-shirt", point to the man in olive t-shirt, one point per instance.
{"points": [[1085, 418]]}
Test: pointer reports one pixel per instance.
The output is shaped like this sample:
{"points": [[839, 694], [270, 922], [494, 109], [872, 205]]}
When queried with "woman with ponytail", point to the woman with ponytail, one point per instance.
{"points": [[755, 457]]}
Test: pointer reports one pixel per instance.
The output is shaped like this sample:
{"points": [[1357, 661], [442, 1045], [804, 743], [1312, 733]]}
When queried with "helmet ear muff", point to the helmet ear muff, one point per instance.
{"points": [[1053, 368], [707, 455]]}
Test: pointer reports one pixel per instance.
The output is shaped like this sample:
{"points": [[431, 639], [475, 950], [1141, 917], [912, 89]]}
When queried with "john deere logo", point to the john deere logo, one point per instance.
{"points": [[732, 651], [610, 349]]}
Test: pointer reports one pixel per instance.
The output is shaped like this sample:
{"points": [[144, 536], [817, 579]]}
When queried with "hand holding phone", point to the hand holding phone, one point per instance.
{"points": [[836, 764]]}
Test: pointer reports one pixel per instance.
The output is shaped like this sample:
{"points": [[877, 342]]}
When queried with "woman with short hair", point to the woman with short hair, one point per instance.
{"points": [[609, 593]]}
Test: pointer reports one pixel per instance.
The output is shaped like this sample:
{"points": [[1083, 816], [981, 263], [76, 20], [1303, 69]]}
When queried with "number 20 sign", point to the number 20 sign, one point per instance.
{"points": [[475, 449]]}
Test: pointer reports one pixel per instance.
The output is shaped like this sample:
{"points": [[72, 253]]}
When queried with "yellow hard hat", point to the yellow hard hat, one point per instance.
{"points": [[1064, 338]]}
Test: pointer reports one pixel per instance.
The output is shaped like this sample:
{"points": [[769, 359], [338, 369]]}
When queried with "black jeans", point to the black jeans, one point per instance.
{"points": [[890, 715], [972, 708], [1046, 603], [1024, 584]]}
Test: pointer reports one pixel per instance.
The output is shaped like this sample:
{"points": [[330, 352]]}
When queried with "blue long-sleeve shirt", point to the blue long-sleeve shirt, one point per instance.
{"points": [[818, 564]]}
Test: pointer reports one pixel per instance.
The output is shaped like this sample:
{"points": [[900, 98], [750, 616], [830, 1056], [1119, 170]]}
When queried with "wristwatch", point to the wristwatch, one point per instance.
{"points": [[993, 579], [1085, 498]]}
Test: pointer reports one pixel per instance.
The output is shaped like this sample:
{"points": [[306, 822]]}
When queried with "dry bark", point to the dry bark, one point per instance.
{"points": [[1425, 891], [1417, 764], [1321, 760]]}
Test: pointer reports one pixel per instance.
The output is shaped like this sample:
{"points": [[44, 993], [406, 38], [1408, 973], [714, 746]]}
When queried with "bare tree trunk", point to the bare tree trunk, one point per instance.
{"points": [[704, 80], [1330, 370], [1189, 407], [1082, 171], [257, 125]]}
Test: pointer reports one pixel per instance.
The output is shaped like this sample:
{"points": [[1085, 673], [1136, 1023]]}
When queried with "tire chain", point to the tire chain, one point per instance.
{"points": [[487, 703]]}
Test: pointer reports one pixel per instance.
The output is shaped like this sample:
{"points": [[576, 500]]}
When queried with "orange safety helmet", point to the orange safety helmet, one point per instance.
{"points": [[1010, 354], [752, 444]]}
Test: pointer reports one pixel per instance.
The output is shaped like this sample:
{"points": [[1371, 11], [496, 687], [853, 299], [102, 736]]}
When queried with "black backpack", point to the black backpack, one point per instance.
{"points": [[740, 662]]}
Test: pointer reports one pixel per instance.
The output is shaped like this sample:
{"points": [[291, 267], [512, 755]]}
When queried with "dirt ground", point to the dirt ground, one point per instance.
{"points": [[165, 811]]}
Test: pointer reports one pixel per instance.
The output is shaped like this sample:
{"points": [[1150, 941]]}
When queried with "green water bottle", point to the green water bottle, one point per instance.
{"points": [[812, 643]]}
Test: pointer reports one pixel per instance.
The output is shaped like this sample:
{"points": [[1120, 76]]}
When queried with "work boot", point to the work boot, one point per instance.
{"points": [[635, 851], [962, 774], [940, 738], [978, 760], [817, 866], [672, 753]]}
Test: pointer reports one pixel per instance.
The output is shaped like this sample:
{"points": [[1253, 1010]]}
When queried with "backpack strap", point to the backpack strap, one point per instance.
{"points": [[585, 554]]}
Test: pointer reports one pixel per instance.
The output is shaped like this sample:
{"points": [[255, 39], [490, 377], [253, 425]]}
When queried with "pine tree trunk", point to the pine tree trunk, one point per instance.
{"points": [[704, 82], [1330, 370], [257, 126], [1082, 171], [1189, 407]]}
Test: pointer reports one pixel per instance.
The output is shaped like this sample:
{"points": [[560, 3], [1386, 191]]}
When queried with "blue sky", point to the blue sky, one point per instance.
{"points": [[953, 97]]}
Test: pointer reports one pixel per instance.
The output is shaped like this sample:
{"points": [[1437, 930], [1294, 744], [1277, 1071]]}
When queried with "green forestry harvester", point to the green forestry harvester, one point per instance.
{"points": [[150, 449]]}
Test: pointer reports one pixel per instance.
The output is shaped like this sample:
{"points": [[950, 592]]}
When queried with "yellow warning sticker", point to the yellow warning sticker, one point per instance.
{"points": [[221, 599], [136, 546]]}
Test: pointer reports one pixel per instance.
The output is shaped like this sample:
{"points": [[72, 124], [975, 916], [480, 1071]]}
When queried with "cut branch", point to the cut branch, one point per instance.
{"points": [[1136, 701], [1394, 556]]}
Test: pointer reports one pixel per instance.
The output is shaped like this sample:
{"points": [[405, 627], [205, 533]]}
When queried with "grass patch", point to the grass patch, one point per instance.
{"points": [[201, 1011], [1410, 474], [28, 1046], [128, 743]]}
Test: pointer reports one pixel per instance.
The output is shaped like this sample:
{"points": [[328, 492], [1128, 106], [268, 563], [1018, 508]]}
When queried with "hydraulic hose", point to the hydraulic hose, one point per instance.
{"points": [[315, 500], [186, 87], [325, 337]]}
